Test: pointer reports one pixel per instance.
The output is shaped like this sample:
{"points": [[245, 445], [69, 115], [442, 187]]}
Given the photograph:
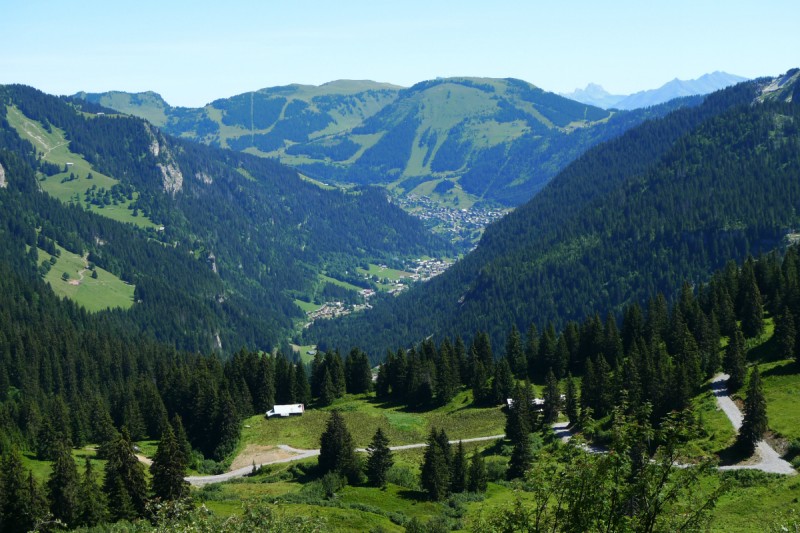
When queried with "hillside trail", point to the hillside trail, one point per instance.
{"points": [[767, 459]]}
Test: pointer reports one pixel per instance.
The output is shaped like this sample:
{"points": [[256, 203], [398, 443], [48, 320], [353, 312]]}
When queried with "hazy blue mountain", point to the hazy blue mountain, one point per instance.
{"points": [[595, 95], [676, 88]]}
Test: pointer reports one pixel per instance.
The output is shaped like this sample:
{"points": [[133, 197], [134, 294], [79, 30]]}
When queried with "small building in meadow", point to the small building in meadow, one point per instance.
{"points": [[293, 409]]}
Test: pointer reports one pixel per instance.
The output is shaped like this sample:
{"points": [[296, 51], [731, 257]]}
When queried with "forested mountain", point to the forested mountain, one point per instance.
{"points": [[595, 95], [458, 140], [222, 241], [668, 201]]}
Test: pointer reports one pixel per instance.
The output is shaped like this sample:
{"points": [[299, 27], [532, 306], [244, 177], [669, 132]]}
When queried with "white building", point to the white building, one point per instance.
{"points": [[295, 409]]}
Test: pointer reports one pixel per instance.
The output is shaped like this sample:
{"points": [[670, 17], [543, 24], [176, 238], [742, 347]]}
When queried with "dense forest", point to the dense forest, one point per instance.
{"points": [[668, 201], [244, 235]]}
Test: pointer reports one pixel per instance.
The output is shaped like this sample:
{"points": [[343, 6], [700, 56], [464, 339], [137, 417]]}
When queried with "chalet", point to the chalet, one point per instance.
{"points": [[536, 403], [294, 409]]}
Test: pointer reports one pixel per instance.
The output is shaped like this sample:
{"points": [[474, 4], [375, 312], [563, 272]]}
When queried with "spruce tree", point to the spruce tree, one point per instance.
{"points": [[168, 469], [503, 382], [785, 334], [63, 487], [755, 421], [20, 505], [93, 508], [552, 398], [518, 416], [515, 354], [458, 472], [379, 459], [226, 428], [752, 308], [435, 475], [571, 400], [328, 390], [478, 479], [734, 363], [124, 483], [181, 439], [302, 387], [337, 452]]}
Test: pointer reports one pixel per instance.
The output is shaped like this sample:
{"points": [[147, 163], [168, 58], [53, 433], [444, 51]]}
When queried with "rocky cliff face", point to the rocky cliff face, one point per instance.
{"points": [[3, 182]]}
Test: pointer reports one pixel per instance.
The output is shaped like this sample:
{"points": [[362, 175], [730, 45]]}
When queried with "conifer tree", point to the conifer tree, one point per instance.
{"points": [[302, 386], [477, 479], [181, 440], [328, 390], [503, 382], [379, 459], [735, 365], [521, 459], [532, 351], [168, 469], [755, 421], [785, 334], [458, 472], [337, 452], [20, 500], [571, 400], [752, 309], [124, 482], [515, 354], [481, 390], [92, 499], [226, 429], [63, 487], [552, 398], [518, 415], [435, 475]]}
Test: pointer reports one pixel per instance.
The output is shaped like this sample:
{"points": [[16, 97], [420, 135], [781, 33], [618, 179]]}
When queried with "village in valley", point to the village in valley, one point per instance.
{"points": [[385, 279]]}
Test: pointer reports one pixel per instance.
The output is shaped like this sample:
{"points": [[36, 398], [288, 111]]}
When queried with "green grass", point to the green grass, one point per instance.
{"points": [[718, 430], [302, 351], [307, 307], [41, 469], [107, 291], [363, 415], [340, 283], [54, 148], [781, 382], [388, 273], [755, 501]]}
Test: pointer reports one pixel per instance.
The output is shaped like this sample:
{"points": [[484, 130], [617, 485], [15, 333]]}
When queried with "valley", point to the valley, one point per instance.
{"points": [[457, 357]]}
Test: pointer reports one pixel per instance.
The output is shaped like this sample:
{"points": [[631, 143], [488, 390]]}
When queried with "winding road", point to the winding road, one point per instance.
{"points": [[767, 459]]}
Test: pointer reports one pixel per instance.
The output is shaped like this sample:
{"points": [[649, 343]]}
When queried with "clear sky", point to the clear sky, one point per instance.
{"points": [[194, 52]]}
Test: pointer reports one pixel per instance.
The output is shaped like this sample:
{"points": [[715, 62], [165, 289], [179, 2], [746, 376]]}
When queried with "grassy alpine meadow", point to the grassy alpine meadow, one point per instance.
{"points": [[79, 177], [71, 278], [781, 381], [718, 432], [384, 272], [756, 501], [363, 415]]}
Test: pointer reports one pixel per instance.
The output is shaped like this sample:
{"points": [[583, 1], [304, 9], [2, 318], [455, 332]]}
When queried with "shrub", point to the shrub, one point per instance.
{"points": [[403, 476]]}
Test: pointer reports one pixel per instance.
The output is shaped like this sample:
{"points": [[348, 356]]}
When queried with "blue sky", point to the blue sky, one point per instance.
{"points": [[194, 52]]}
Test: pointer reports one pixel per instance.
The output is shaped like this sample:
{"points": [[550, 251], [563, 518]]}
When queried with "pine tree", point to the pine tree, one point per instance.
{"points": [[328, 390], [752, 309], [181, 439], [521, 459], [571, 400], [168, 469], [458, 472], [755, 421], [734, 363], [503, 382], [124, 483], [337, 452], [478, 480], [20, 507], [532, 351], [552, 398], [785, 334], [435, 475], [518, 415], [63, 487], [92, 499], [379, 459], [302, 387], [226, 428], [515, 354]]}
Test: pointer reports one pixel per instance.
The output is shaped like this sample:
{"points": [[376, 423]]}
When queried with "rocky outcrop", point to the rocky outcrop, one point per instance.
{"points": [[171, 177], [203, 177], [3, 182]]}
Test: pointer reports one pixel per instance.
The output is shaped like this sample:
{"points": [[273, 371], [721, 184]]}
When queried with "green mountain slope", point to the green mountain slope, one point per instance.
{"points": [[224, 242], [670, 200], [497, 140]]}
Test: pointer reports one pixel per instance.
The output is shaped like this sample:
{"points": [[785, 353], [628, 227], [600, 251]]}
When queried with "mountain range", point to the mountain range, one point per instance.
{"points": [[595, 95], [215, 246], [456, 140], [670, 200]]}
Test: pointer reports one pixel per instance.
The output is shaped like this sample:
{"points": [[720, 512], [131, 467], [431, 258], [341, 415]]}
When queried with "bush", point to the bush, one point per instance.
{"points": [[403, 476], [496, 470], [332, 483]]}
